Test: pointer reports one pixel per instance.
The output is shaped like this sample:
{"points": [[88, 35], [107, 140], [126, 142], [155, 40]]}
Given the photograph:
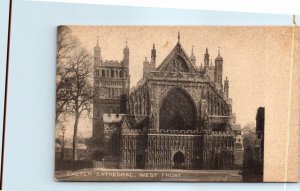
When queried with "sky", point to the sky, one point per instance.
{"points": [[247, 52]]}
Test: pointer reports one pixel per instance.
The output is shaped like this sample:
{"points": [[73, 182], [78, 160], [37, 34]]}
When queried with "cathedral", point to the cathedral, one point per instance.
{"points": [[178, 116]]}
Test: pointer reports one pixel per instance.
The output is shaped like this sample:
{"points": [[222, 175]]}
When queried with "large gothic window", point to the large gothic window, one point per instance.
{"points": [[178, 111], [178, 65]]}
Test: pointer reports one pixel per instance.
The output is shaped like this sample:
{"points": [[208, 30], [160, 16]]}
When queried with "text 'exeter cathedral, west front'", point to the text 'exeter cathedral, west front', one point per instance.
{"points": [[178, 116]]}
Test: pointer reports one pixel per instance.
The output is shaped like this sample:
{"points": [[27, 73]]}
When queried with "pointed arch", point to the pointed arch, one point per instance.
{"points": [[177, 111]]}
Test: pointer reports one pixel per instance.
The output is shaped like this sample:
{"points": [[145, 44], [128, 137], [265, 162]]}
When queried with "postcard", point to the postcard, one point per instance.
{"points": [[177, 103]]}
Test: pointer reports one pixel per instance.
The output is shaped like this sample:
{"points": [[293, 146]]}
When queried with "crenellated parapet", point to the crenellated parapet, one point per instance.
{"points": [[192, 132], [220, 133], [177, 132], [132, 131]]}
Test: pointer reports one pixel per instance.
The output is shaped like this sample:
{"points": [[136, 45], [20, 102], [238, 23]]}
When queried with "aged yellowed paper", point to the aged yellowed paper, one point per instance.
{"points": [[178, 103]]}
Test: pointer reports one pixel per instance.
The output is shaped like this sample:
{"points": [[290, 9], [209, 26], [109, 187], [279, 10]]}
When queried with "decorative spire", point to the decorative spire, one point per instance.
{"points": [[97, 53], [126, 54], [206, 58], [97, 45], [219, 57], [192, 54], [192, 57], [178, 37], [126, 45], [153, 54], [226, 88]]}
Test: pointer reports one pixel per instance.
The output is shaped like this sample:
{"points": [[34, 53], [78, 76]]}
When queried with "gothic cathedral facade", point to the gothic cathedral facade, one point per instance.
{"points": [[178, 116]]}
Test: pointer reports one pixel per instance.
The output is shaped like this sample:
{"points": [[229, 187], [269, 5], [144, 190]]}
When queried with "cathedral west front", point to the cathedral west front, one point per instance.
{"points": [[178, 116]]}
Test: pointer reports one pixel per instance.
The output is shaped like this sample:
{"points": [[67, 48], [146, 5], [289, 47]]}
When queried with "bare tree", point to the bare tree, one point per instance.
{"points": [[66, 44], [73, 82], [80, 89]]}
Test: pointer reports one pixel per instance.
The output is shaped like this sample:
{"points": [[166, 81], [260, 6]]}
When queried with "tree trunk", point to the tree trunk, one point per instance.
{"points": [[75, 140]]}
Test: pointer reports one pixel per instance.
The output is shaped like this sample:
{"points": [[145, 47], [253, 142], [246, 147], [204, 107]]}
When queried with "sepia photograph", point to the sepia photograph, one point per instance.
{"points": [[162, 103], [150, 95]]}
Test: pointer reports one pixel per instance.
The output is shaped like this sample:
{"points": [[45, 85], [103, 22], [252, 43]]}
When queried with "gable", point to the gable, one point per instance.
{"points": [[177, 61], [124, 124]]}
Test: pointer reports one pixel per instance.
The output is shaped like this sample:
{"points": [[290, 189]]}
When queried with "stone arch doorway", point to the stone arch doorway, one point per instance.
{"points": [[177, 111], [178, 160], [139, 159], [218, 162]]}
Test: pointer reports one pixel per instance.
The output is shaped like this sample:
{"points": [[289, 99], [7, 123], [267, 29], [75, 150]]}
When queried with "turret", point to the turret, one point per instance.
{"points": [[97, 54], [206, 59], [226, 88], [219, 71], [126, 56], [149, 66], [193, 57], [125, 71], [153, 55], [126, 81], [146, 65]]}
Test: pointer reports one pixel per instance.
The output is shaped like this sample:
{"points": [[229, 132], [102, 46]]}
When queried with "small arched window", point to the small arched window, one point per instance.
{"points": [[121, 74], [109, 93], [103, 73], [112, 74]]}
